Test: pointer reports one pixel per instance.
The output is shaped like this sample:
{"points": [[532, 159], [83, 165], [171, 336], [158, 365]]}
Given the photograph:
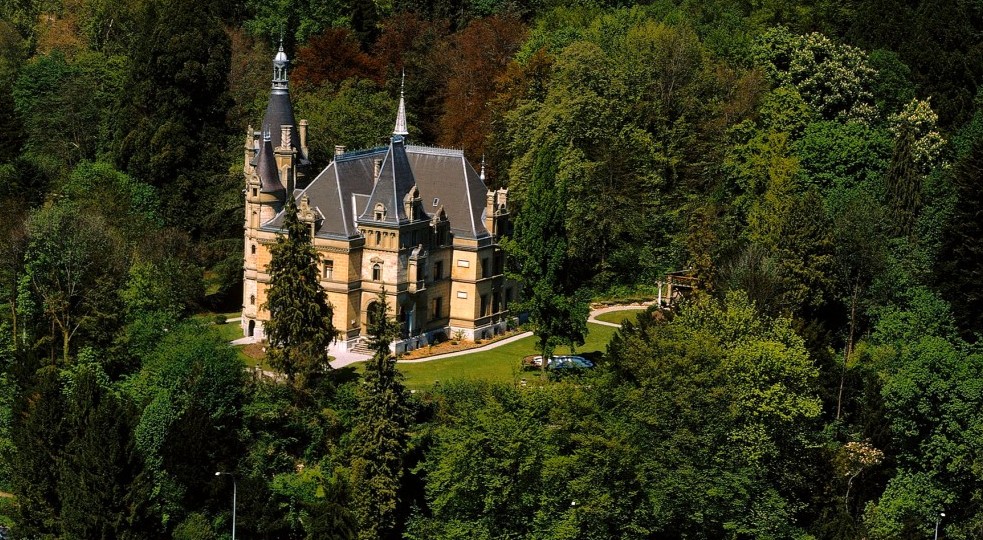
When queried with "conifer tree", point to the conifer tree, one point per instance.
{"points": [[380, 436], [102, 486], [300, 329], [38, 435]]}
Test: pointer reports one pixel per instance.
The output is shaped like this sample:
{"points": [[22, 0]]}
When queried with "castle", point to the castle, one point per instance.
{"points": [[415, 221]]}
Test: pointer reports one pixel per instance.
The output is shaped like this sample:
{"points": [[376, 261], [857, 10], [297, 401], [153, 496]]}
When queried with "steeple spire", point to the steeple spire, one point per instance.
{"points": [[280, 62], [400, 128]]}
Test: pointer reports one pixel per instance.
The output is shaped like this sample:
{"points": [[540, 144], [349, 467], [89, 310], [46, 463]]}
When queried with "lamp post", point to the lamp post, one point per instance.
{"points": [[219, 473], [937, 520]]}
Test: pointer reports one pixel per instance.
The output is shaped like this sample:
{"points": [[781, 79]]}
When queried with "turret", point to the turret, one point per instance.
{"points": [[280, 113]]}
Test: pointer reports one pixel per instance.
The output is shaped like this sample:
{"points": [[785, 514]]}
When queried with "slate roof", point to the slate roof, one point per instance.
{"points": [[269, 177], [346, 191], [279, 112]]}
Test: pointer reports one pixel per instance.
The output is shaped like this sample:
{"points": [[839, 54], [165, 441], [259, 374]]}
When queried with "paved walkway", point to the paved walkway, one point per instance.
{"points": [[595, 312], [344, 358]]}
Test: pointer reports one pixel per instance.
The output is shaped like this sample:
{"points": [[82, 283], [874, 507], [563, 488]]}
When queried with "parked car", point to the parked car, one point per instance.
{"points": [[559, 362]]}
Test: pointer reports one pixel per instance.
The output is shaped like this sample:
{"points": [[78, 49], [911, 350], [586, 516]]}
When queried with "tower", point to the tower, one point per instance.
{"points": [[275, 164]]}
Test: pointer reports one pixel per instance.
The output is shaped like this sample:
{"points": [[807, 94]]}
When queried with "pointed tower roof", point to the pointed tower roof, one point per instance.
{"points": [[279, 111], [394, 182], [400, 128], [269, 177]]}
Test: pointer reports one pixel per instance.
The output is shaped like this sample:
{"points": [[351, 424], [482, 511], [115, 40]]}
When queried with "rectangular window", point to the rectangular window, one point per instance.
{"points": [[462, 294], [496, 302], [328, 269], [499, 263], [463, 263], [484, 268], [484, 306], [436, 308], [438, 270]]}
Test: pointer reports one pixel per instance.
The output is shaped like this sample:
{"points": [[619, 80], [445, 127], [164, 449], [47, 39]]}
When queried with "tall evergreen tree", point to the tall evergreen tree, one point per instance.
{"points": [[38, 435], [103, 489], [961, 263], [300, 328], [381, 435], [539, 249]]}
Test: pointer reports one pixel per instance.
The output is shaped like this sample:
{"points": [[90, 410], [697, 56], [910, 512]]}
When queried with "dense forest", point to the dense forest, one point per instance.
{"points": [[815, 164]]}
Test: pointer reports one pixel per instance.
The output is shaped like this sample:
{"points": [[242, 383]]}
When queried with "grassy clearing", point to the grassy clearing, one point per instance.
{"points": [[253, 355], [501, 364], [620, 316], [227, 331]]}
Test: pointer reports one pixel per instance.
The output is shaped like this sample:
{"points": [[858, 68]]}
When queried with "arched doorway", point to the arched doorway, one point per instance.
{"points": [[251, 328], [370, 313]]}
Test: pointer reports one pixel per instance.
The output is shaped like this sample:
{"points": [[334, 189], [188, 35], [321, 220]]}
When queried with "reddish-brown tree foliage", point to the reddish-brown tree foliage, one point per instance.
{"points": [[476, 57], [332, 57], [415, 44]]}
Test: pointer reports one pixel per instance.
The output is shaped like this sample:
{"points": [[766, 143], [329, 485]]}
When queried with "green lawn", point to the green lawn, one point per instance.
{"points": [[228, 331], [620, 316], [501, 364]]}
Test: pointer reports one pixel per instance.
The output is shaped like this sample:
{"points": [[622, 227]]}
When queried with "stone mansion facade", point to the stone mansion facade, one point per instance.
{"points": [[415, 221]]}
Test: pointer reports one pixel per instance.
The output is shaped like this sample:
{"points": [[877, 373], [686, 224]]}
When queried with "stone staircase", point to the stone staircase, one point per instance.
{"points": [[361, 347]]}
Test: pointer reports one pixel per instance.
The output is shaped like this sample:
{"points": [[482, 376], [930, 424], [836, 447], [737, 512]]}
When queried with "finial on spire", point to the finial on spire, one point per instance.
{"points": [[280, 62], [400, 128], [482, 174]]}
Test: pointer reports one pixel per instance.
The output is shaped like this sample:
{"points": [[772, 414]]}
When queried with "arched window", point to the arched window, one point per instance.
{"points": [[252, 249], [378, 238], [252, 299], [376, 272]]}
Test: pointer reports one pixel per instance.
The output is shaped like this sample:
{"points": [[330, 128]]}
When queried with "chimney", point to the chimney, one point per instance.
{"points": [[490, 212], [250, 149], [376, 168], [339, 149], [303, 136], [285, 135]]}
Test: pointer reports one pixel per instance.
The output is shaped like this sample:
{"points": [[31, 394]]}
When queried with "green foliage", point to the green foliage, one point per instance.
{"points": [[38, 435], [173, 123], [833, 78], [190, 390], [380, 435], [69, 109], [102, 488], [356, 114], [195, 527], [539, 247], [959, 262], [71, 272], [299, 330], [720, 380], [294, 20]]}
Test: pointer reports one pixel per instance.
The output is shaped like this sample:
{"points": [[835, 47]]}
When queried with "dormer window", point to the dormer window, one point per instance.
{"points": [[380, 212]]}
